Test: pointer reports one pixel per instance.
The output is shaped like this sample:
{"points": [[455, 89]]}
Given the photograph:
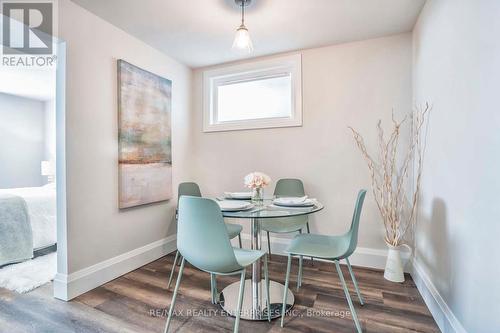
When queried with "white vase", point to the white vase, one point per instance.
{"points": [[394, 265]]}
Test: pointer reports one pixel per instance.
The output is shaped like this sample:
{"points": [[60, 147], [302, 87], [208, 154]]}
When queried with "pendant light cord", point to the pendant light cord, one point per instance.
{"points": [[243, 12]]}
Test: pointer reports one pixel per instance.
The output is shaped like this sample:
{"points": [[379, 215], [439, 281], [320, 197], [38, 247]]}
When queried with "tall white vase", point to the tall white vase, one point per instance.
{"points": [[394, 265]]}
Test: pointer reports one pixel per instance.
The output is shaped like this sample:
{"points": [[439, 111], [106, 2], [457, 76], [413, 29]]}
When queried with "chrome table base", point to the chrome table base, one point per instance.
{"points": [[254, 298], [228, 300]]}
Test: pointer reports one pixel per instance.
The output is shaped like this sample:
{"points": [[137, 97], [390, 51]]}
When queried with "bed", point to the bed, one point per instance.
{"points": [[41, 207]]}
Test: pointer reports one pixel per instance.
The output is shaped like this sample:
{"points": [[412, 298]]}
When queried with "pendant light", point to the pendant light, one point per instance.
{"points": [[242, 41]]}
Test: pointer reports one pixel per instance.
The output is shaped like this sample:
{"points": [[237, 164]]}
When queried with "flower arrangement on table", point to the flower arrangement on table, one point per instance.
{"points": [[257, 181]]}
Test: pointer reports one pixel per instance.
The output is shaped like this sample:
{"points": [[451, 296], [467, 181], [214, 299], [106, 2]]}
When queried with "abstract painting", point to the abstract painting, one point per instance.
{"points": [[145, 149]]}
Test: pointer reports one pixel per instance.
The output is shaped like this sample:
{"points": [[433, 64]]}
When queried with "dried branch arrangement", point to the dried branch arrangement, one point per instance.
{"points": [[395, 186]]}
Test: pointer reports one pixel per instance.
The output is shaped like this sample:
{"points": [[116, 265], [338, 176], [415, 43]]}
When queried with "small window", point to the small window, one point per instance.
{"points": [[260, 94]]}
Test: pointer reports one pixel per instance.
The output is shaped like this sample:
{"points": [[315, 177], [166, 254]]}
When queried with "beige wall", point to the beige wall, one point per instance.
{"points": [[350, 84], [96, 229], [457, 69]]}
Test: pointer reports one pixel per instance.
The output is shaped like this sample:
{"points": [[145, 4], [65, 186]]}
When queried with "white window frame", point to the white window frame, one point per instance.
{"points": [[250, 71]]}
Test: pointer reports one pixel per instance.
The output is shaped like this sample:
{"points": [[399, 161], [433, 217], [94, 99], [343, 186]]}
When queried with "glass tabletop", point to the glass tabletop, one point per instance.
{"points": [[269, 210]]}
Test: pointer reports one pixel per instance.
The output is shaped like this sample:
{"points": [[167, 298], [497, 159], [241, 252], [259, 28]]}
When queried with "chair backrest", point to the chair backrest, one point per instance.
{"points": [[352, 234], [289, 187], [188, 188], [202, 236]]}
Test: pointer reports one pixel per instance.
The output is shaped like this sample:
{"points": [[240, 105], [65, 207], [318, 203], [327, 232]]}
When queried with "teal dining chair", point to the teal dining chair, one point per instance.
{"points": [[192, 189], [330, 248], [286, 188], [202, 241]]}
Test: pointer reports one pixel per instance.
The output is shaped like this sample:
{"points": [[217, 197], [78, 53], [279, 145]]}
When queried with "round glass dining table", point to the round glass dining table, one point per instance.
{"points": [[254, 305]]}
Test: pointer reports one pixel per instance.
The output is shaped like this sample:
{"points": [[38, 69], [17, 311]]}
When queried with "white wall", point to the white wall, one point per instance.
{"points": [[96, 229], [457, 69], [50, 130], [350, 84], [22, 141]]}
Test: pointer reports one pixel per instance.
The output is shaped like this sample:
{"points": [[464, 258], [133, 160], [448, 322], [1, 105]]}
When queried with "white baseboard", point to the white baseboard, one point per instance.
{"points": [[441, 312], [67, 287], [363, 257], [376, 258]]}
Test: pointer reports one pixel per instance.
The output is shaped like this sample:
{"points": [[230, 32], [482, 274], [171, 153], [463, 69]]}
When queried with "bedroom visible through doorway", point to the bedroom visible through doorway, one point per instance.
{"points": [[28, 195]]}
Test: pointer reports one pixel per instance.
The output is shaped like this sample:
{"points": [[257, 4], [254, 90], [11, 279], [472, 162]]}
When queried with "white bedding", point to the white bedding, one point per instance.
{"points": [[41, 202]]}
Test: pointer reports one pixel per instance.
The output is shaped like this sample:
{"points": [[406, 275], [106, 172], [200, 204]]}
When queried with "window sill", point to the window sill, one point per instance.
{"points": [[253, 124]]}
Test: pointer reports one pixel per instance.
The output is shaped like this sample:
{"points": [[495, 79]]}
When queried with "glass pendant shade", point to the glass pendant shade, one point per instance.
{"points": [[242, 41]]}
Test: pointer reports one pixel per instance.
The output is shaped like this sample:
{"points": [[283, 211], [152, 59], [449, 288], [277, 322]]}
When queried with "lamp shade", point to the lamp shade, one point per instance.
{"points": [[46, 168], [242, 41]]}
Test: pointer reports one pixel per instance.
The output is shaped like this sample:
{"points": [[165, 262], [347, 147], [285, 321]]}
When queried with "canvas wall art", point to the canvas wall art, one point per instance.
{"points": [[145, 149]]}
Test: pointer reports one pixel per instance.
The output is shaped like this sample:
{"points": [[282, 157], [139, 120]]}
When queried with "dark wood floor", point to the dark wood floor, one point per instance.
{"points": [[135, 303]]}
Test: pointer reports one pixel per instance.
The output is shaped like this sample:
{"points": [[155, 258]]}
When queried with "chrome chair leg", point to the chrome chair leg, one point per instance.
{"points": [[239, 241]]}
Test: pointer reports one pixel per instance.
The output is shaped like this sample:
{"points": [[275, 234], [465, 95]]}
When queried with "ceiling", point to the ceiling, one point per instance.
{"points": [[200, 33], [34, 83]]}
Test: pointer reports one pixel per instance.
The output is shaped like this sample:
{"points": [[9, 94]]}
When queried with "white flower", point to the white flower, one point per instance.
{"points": [[257, 180]]}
